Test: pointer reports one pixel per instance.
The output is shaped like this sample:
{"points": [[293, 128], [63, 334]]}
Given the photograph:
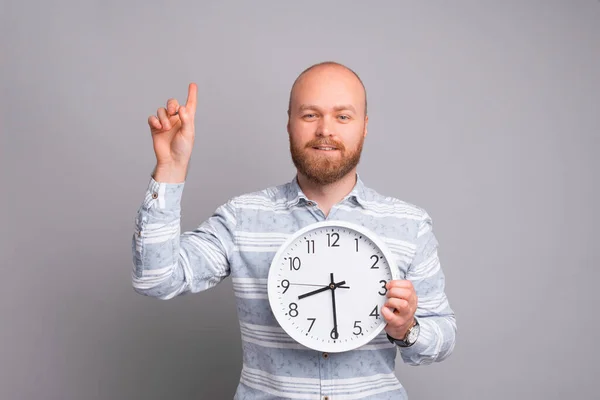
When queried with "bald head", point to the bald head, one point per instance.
{"points": [[327, 71]]}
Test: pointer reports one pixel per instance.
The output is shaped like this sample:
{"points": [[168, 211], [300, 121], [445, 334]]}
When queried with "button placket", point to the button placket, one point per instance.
{"points": [[325, 370]]}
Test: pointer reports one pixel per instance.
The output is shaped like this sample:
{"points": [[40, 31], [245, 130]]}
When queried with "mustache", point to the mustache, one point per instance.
{"points": [[325, 142]]}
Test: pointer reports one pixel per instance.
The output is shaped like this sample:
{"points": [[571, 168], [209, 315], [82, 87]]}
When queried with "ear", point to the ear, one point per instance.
{"points": [[366, 123]]}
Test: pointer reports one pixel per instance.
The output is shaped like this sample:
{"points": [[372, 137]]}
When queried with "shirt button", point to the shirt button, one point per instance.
{"points": [[154, 195], [310, 203], [326, 398], [325, 355]]}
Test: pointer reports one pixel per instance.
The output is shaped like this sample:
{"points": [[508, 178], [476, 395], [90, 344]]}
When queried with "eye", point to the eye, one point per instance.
{"points": [[308, 116], [344, 117]]}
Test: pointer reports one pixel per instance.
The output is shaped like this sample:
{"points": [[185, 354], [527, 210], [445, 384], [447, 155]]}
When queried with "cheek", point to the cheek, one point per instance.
{"points": [[300, 135]]}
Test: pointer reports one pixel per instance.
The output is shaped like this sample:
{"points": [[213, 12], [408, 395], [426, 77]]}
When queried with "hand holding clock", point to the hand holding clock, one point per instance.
{"points": [[402, 299]]}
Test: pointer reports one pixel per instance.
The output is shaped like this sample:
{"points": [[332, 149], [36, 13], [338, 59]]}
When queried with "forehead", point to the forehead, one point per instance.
{"points": [[328, 87]]}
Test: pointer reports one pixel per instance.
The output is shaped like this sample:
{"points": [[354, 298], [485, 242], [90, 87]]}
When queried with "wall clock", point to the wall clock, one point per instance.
{"points": [[326, 285]]}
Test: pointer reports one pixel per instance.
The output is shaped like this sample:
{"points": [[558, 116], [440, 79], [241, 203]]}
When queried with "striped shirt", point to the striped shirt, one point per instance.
{"points": [[241, 238]]}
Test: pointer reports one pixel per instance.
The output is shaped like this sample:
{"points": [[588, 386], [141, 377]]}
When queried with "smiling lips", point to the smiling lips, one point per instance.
{"points": [[325, 148]]}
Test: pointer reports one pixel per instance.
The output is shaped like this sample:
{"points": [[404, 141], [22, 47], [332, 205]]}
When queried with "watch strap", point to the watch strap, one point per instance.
{"points": [[404, 341]]}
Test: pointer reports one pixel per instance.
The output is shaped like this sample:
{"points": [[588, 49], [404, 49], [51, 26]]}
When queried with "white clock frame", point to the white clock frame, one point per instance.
{"points": [[276, 276]]}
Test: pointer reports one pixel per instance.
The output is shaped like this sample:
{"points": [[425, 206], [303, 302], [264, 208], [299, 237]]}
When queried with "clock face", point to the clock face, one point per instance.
{"points": [[326, 285]]}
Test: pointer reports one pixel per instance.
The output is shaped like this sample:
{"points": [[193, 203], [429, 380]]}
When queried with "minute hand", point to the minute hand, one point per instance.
{"points": [[324, 288]]}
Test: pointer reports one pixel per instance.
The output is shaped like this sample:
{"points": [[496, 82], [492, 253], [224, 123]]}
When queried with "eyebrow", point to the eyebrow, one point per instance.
{"points": [[336, 108]]}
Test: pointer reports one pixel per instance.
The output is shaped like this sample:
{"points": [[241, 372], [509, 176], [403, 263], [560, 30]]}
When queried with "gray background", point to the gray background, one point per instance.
{"points": [[484, 113]]}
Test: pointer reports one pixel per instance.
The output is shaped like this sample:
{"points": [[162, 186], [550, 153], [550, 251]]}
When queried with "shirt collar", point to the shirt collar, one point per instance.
{"points": [[295, 195]]}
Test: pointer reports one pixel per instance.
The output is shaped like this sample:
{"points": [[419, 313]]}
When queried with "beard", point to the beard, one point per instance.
{"points": [[324, 169]]}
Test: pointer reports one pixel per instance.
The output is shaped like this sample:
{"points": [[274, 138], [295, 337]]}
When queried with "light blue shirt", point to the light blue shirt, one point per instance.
{"points": [[241, 238]]}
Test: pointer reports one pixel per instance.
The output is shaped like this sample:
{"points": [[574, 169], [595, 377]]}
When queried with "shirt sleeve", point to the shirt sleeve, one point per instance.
{"points": [[167, 263], [436, 319]]}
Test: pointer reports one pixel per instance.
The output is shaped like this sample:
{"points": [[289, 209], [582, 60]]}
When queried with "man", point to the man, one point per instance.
{"points": [[327, 126]]}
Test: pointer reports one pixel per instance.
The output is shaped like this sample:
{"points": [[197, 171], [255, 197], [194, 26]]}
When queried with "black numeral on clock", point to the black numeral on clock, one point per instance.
{"points": [[293, 310], [374, 313], [295, 263], [311, 246], [356, 240], [285, 284], [376, 261], [312, 323], [334, 334], [356, 325], [334, 235], [383, 287]]}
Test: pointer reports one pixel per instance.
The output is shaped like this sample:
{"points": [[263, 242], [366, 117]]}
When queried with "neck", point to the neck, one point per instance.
{"points": [[327, 195]]}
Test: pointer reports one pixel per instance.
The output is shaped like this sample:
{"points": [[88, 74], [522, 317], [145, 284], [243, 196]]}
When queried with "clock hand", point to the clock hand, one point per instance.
{"points": [[334, 332], [324, 288], [309, 284]]}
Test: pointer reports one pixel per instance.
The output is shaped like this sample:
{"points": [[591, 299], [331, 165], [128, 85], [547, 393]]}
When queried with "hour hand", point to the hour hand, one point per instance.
{"points": [[324, 288]]}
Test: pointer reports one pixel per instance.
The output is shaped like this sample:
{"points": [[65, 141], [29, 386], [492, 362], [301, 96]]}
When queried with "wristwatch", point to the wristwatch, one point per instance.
{"points": [[410, 338]]}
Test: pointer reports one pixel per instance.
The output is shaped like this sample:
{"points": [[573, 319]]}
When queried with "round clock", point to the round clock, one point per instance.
{"points": [[326, 285]]}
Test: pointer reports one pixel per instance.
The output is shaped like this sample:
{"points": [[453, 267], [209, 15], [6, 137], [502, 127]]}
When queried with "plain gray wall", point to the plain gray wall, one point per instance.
{"points": [[484, 113]]}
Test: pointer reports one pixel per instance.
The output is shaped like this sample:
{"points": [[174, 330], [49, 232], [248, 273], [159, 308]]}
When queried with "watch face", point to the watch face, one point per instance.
{"points": [[326, 285], [413, 335]]}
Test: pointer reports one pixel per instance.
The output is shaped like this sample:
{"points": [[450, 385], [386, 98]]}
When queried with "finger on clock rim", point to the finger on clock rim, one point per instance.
{"points": [[400, 283], [389, 314], [398, 304], [399, 293]]}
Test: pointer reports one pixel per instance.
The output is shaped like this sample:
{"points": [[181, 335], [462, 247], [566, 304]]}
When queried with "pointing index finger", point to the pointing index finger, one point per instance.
{"points": [[190, 104]]}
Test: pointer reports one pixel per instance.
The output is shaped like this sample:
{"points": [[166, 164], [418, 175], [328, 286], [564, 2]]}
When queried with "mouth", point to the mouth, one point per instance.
{"points": [[325, 148]]}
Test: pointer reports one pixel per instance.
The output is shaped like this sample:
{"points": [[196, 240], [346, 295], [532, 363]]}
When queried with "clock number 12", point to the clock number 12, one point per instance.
{"points": [[334, 244]]}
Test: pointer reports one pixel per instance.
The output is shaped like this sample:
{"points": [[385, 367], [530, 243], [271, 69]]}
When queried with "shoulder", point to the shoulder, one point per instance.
{"points": [[381, 203], [268, 196]]}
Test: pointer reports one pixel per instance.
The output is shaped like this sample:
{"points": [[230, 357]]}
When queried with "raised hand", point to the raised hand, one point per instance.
{"points": [[173, 134]]}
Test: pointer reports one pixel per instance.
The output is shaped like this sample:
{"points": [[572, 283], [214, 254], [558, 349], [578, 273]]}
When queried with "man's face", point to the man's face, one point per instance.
{"points": [[327, 124]]}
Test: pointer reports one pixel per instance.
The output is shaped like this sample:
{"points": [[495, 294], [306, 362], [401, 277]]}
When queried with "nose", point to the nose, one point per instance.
{"points": [[325, 127]]}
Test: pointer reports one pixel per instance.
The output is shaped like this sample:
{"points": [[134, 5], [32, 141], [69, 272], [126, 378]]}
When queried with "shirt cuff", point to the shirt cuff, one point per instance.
{"points": [[426, 336], [163, 195]]}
